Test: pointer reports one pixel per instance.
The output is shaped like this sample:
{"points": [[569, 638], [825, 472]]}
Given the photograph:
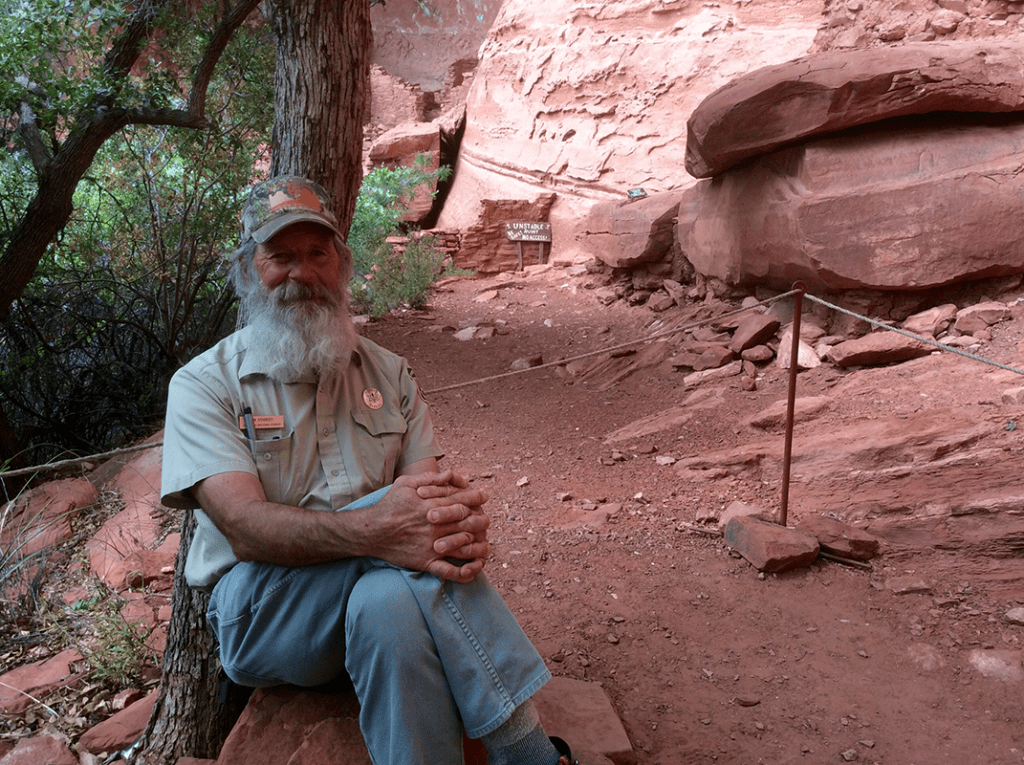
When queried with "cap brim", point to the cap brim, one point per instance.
{"points": [[267, 230]]}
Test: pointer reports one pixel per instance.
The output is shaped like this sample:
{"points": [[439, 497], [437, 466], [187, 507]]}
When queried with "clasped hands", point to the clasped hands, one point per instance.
{"points": [[441, 527]]}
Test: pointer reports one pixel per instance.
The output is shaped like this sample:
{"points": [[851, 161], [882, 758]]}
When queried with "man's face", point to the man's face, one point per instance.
{"points": [[298, 311], [303, 254]]}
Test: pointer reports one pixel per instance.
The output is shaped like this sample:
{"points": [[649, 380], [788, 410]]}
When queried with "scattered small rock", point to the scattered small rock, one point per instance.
{"points": [[527, 362], [908, 585], [1015, 616]]}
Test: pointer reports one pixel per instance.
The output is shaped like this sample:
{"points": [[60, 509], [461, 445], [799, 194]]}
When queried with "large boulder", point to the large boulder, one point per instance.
{"points": [[822, 93], [626, 233], [905, 205]]}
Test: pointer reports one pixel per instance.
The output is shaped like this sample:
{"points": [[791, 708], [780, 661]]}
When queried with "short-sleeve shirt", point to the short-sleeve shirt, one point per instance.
{"points": [[319, 444]]}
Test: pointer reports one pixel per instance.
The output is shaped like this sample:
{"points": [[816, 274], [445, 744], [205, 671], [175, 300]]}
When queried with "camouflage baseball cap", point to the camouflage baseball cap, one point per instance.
{"points": [[281, 202]]}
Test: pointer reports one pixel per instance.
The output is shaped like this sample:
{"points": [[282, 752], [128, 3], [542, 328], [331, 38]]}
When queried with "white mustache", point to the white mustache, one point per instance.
{"points": [[291, 292]]}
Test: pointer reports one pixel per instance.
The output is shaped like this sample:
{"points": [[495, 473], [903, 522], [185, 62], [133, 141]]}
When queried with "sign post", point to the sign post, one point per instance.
{"points": [[520, 231]]}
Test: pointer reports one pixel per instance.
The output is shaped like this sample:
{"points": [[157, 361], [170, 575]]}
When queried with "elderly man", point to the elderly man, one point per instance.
{"points": [[295, 417]]}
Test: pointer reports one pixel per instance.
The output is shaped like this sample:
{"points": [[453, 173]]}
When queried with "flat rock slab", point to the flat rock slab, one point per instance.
{"points": [[1003, 664], [582, 714], [120, 730], [37, 680], [287, 725], [755, 329], [42, 517], [41, 750], [825, 92], [908, 585], [770, 547], [277, 722], [878, 348], [840, 538]]}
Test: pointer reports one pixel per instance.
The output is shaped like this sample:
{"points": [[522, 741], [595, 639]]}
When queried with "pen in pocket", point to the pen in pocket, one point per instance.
{"points": [[250, 431]]}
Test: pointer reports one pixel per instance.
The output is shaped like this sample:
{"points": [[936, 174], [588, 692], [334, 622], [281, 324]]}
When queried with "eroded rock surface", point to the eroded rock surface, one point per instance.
{"points": [[826, 92], [902, 206]]}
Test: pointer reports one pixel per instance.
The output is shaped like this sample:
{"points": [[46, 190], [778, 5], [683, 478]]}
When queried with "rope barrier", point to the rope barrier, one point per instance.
{"points": [[928, 341], [610, 349], [562, 362]]}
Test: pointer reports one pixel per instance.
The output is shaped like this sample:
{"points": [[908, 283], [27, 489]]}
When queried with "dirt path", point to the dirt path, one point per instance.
{"points": [[705, 660]]}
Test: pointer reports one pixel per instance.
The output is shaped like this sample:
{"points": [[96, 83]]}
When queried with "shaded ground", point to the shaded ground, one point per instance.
{"points": [[705, 660]]}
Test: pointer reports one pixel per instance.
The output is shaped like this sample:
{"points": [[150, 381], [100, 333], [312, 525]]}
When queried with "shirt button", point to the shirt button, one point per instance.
{"points": [[326, 431], [266, 456], [335, 472]]}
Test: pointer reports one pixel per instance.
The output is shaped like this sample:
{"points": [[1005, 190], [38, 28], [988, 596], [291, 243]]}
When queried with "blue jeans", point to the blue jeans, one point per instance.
{"points": [[428, 658]]}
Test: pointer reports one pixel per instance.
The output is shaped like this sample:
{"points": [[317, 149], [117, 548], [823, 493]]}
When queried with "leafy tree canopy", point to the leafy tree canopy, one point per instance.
{"points": [[133, 284]]}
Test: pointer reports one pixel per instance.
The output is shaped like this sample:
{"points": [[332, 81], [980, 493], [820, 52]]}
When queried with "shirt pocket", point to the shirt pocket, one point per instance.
{"points": [[274, 464], [379, 439]]}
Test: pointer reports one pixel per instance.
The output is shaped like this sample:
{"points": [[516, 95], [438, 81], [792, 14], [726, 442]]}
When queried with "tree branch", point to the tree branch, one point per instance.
{"points": [[48, 211], [33, 138], [218, 42], [121, 57]]}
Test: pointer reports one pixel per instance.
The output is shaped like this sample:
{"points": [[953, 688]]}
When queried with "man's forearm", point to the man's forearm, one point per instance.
{"points": [[402, 528]]}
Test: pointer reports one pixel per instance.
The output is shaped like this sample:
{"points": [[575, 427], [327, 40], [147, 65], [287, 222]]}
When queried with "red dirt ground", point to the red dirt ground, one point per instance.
{"points": [[705, 659]]}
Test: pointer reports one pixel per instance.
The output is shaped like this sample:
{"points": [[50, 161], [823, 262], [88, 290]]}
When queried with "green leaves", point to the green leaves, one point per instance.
{"points": [[386, 278], [50, 51], [134, 286]]}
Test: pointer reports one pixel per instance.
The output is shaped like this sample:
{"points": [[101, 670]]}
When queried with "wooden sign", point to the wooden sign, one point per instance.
{"points": [[525, 231]]}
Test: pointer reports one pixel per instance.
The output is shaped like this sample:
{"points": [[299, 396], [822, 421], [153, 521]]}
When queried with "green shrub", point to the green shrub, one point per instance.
{"points": [[385, 276]]}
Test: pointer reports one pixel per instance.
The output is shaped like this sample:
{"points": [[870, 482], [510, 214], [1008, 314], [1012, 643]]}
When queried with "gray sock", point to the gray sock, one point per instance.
{"points": [[520, 740]]}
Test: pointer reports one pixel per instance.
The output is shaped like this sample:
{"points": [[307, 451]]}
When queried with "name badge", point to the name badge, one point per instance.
{"points": [[263, 421]]}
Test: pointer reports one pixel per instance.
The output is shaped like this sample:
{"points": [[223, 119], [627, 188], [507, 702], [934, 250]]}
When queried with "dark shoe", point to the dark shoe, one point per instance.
{"points": [[564, 751]]}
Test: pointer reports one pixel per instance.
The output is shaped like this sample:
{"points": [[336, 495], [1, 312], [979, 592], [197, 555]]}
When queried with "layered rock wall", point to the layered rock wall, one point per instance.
{"points": [[589, 100], [422, 42]]}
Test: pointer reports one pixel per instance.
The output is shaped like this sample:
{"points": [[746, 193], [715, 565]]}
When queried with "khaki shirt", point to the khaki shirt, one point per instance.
{"points": [[319, 444]]}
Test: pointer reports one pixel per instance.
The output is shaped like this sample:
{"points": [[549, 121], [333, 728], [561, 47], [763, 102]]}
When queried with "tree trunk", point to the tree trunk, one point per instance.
{"points": [[190, 717], [321, 94]]}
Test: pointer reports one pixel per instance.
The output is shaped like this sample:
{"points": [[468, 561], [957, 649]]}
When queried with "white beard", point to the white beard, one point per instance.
{"points": [[299, 330]]}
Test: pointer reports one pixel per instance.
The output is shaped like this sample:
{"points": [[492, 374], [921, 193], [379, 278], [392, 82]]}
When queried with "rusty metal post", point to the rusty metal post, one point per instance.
{"points": [[798, 307]]}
